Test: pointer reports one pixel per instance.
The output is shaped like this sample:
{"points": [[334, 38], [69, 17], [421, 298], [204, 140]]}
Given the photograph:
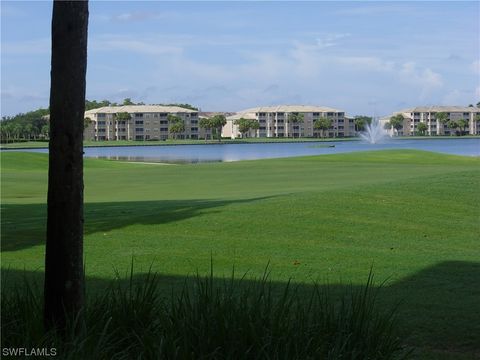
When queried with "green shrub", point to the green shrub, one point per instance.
{"points": [[209, 319]]}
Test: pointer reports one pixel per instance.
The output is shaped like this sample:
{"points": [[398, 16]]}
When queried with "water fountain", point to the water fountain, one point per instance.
{"points": [[374, 132]]}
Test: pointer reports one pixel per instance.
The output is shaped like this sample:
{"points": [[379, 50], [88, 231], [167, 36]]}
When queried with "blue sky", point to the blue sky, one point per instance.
{"points": [[361, 57]]}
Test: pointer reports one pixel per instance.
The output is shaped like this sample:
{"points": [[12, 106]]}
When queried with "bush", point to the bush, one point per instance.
{"points": [[212, 319]]}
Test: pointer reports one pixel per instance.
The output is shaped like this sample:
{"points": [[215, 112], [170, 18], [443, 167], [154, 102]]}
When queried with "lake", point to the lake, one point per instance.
{"points": [[236, 152]]}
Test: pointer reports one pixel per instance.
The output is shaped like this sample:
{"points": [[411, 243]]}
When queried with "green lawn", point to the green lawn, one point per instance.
{"points": [[413, 216]]}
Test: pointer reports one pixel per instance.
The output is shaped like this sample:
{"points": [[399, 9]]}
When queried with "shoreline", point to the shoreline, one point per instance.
{"points": [[239, 142]]}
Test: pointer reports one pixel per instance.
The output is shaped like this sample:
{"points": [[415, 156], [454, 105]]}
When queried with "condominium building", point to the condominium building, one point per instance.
{"points": [[427, 115], [274, 121], [146, 122]]}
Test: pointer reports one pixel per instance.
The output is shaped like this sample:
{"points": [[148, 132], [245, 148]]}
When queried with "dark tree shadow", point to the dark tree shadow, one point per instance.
{"points": [[438, 307], [23, 225]]}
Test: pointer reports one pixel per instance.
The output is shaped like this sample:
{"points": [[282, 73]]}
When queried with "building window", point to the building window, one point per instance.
{"points": [[138, 122], [140, 115], [139, 129]]}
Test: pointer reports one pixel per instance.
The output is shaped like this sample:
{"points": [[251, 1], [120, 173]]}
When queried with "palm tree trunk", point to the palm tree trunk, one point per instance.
{"points": [[64, 278]]}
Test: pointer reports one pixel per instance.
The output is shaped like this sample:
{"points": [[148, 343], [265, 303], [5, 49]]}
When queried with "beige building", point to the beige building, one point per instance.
{"points": [[273, 122], [147, 122], [426, 115]]}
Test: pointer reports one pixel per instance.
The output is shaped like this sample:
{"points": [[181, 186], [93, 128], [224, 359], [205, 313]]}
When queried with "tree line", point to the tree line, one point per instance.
{"points": [[322, 123], [459, 125], [34, 125]]}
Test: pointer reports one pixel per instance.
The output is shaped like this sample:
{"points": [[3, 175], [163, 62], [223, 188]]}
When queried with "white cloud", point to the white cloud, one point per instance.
{"points": [[129, 44], [475, 66], [453, 97], [367, 62], [37, 46], [425, 79], [329, 40]]}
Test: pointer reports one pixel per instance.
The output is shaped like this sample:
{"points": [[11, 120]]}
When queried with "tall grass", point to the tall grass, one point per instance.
{"points": [[210, 318]]}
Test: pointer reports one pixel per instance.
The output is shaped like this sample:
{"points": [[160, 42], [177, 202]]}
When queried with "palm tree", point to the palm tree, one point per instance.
{"points": [[295, 118], [396, 122], [176, 125], [460, 124], [442, 118], [64, 278], [206, 124], [218, 122], [422, 128], [323, 123], [245, 125]]}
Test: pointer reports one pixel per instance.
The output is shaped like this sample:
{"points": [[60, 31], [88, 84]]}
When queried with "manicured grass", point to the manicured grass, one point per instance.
{"points": [[413, 215]]}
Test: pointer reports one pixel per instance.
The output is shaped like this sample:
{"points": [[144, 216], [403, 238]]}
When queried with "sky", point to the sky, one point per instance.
{"points": [[365, 58]]}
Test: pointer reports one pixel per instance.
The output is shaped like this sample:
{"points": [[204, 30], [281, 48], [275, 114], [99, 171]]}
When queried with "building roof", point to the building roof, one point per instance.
{"points": [[139, 109], [250, 113], [440, 109], [290, 108], [245, 115]]}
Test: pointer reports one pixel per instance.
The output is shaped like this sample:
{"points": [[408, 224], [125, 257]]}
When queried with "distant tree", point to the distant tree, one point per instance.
{"points": [[461, 125], [64, 272], [128, 101], [6, 129], [245, 125], [361, 121], [10, 128], [295, 119], [17, 131], [323, 123], [422, 128], [442, 118], [176, 125], [176, 129], [185, 106], [206, 124], [470, 105], [452, 124], [123, 116], [396, 122], [94, 104], [45, 131], [478, 104], [218, 122], [387, 126], [87, 122]]}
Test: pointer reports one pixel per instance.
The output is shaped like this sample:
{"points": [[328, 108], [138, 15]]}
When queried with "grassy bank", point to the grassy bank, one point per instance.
{"points": [[413, 215], [44, 144]]}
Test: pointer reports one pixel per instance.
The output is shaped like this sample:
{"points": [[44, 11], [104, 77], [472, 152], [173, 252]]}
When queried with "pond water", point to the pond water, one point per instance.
{"points": [[236, 152]]}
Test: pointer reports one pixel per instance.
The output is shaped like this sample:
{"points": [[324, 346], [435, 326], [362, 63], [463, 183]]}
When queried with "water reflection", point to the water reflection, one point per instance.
{"points": [[190, 154], [159, 160]]}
